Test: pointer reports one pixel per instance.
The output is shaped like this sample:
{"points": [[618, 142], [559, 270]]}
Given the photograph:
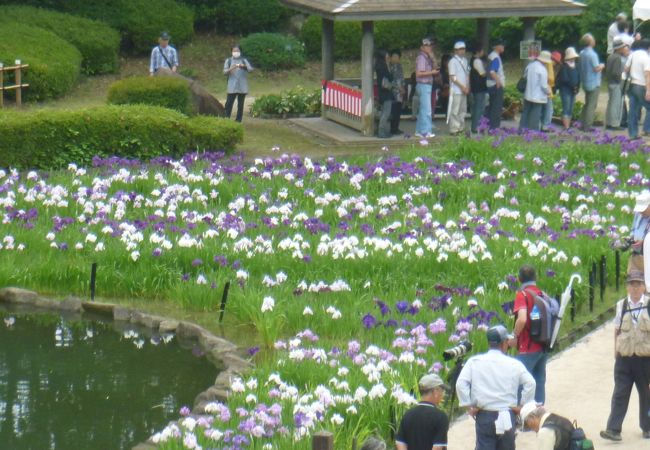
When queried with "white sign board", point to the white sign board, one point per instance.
{"points": [[529, 49]]}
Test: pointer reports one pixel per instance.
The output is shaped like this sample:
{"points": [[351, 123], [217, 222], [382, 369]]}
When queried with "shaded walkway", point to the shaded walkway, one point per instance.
{"points": [[579, 386]]}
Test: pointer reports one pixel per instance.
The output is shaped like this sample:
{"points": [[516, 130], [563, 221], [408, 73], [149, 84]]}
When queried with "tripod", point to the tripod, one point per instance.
{"points": [[452, 378]]}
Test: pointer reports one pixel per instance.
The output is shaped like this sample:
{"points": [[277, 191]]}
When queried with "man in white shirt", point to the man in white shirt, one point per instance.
{"points": [[553, 431], [616, 28], [637, 67], [459, 82], [488, 387]]}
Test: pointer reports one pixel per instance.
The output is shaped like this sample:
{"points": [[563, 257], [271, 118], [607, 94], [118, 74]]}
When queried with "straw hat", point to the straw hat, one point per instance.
{"points": [[570, 53]]}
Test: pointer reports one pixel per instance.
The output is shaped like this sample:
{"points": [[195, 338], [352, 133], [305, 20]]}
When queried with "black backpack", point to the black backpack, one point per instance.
{"points": [[568, 436]]}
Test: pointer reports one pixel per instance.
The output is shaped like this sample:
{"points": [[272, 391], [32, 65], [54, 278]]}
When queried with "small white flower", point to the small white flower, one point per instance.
{"points": [[268, 304], [307, 311]]}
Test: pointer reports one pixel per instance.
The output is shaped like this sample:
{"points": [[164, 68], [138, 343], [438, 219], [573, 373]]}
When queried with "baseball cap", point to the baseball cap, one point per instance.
{"points": [[458, 45], [525, 412], [621, 15], [164, 36], [498, 42], [427, 41], [635, 275], [642, 201], [498, 334], [430, 381]]}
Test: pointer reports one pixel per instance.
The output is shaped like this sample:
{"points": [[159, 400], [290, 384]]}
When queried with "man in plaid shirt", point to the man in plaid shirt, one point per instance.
{"points": [[163, 55]]}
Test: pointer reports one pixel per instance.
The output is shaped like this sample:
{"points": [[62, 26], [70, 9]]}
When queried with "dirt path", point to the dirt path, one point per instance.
{"points": [[579, 386]]}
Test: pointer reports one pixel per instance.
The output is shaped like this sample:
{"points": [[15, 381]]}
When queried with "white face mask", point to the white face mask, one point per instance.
{"points": [[236, 54]]}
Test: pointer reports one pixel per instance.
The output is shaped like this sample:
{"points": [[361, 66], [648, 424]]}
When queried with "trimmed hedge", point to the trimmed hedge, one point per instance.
{"points": [[98, 43], [168, 92], [272, 51], [54, 64], [139, 21], [240, 17], [347, 36], [50, 139]]}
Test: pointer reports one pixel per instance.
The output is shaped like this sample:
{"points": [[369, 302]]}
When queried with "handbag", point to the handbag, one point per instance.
{"points": [[521, 84], [386, 83]]}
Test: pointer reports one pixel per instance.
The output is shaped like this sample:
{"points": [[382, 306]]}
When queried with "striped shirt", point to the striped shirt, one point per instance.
{"points": [[157, 61]]}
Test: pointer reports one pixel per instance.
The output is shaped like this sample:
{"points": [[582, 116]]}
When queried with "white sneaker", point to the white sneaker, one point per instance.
{"points": [[419, 135], [430, 135]]}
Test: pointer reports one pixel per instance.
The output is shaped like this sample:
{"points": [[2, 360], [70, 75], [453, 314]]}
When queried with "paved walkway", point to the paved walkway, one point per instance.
{"points": [[579, 386]]}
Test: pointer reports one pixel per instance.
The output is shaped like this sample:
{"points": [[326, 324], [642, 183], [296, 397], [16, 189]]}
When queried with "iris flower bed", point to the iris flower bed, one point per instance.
{"points": [[356, 274]]}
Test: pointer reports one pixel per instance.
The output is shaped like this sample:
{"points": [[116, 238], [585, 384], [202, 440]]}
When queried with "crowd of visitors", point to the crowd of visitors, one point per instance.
{"points": [[476, 85]]}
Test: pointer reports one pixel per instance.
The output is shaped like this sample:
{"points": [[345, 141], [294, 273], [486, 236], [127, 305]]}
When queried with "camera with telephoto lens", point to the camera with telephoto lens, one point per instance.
{"points": [[455, 352], [622, 244]]}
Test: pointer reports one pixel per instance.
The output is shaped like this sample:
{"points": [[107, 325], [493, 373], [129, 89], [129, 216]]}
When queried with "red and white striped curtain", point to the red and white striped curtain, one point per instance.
{"points": [[340, 96]]}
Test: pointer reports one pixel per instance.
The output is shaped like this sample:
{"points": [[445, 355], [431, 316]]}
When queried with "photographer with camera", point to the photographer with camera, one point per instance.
{"points": [[488, 386], [632, 358], [425, 426], [236, 68]]}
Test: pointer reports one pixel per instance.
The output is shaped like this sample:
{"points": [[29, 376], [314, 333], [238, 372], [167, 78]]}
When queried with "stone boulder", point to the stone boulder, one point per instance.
{"points": [[204, 102]]}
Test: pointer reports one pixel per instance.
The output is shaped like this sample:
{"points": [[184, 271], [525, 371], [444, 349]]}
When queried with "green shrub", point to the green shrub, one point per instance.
{"points": [[139, 21], [98, 43], [271, 51], [296, 101], [168, 92], [347, 39], [144, 20], [447, 32], [347, 36], [54, 64], [238, 16], [49, 139]]}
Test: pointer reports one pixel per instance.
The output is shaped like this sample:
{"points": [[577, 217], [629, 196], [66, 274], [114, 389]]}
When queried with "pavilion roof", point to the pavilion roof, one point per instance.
{"points": [[434, 9]]}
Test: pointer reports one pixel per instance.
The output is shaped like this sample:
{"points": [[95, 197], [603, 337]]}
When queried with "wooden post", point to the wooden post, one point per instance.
{"points": [[529, 28], [327, 49], [483, 35], [367, 83], [323, 440], [19, 82]]}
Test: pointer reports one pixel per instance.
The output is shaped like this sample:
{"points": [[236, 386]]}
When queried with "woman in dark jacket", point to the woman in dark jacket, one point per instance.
{"points": [[568, 82], [385, 93]]}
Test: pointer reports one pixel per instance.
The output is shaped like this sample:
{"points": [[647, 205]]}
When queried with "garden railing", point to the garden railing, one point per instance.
{"points": [[18, 84]]}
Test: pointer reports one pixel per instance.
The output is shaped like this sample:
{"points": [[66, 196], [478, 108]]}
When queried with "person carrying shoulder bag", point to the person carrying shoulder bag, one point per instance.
{"points": [[236, 68]]}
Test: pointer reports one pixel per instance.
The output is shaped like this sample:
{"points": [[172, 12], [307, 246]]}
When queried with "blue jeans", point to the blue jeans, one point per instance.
{"points": [[424, 124], [637, 101], [478, 108], [568, 97], [536, 365], [531, 116]]}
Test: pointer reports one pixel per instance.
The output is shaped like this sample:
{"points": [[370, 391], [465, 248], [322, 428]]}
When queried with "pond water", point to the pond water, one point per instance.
{"points": [[79, 384]]}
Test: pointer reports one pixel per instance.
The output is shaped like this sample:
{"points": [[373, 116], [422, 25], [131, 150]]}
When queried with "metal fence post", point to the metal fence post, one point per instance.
{"points": [[573, 305], [603, 277], [592, 287], [618, 270], [323, 440]]}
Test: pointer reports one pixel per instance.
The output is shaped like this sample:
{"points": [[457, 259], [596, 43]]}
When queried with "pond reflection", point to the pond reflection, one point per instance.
{"points": [[81, 384]]}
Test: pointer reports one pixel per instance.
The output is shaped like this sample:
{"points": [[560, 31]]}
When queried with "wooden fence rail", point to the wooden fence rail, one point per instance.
{"points": [[18, 85]]}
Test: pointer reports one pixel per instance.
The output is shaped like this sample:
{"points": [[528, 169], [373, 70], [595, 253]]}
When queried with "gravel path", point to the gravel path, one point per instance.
{"points": [[579, 386]]}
